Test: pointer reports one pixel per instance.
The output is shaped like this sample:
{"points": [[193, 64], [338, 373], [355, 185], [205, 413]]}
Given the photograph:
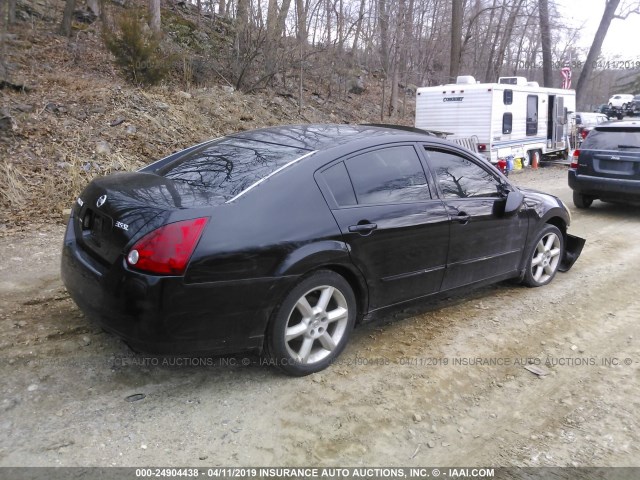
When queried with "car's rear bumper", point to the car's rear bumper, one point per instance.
{"points": [[163, 315], [608, 188]]}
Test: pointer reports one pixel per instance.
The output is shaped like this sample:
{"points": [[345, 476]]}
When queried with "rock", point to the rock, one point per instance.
{"points": [[434, 429], [116, 122], [99, 110], [32, 388], [356, 85], [63, 165], [417, 418], [574, 347], [103, 148], [6, 121], [162, 106], [445, 444], [8, 404], [143, 446], [228, 88], [131, 130], [461, 430], [431, 444], [186, 95], [203, 457], [21, 323], [85, 341], [23, 107]]}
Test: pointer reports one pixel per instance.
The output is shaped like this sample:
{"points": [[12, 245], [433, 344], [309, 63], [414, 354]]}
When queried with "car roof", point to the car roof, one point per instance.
{"points": [[323, 136], [633, 124]]}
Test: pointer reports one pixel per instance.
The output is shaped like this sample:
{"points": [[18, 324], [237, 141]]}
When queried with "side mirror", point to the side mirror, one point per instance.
{"points": [[514, 202]]}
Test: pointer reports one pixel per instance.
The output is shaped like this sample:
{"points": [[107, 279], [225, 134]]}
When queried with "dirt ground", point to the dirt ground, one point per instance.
{"points": [[441, 384]]}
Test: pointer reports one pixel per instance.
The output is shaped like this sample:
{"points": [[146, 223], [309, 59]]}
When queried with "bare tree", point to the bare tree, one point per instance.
{"points": [[154, 16], [67, 18], [545, 37], [456, 39]]}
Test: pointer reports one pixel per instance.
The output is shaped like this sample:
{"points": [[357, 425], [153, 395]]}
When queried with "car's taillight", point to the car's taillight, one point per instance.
{"points": [[574, 159], [167, 250], [482, 147], [584, 133]]}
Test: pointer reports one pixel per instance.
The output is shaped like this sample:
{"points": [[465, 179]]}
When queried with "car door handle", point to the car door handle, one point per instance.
{"points": [[462, 218], [363, 228]]}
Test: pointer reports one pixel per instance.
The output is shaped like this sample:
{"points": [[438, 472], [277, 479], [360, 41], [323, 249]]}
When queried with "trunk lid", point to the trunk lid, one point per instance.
{"points": [[113, 210]]}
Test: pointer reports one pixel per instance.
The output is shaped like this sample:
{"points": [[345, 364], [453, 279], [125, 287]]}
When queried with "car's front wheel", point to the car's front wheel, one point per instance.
{"points": [[312, 325], [582, 201], [545, 257]]}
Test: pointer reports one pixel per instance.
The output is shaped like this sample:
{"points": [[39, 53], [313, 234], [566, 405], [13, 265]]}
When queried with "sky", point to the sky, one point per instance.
{"points": [[623, 37]]}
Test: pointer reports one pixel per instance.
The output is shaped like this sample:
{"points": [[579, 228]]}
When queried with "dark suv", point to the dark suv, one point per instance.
{"points": [[607, 165]]}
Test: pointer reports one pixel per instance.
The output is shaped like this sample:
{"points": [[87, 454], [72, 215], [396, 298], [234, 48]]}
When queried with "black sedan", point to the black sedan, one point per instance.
{"points": [[280, 240]]}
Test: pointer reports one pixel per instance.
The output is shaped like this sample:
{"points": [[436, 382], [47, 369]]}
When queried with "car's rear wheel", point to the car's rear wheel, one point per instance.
{"points": [[312, 325], [544, 257], [582, 201]]}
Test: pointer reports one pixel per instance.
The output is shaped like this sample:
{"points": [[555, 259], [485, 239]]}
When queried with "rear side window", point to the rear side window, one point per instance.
{"points": [[228, 166], [609, 138], [339, 184], [507, 97], [388, 175]]}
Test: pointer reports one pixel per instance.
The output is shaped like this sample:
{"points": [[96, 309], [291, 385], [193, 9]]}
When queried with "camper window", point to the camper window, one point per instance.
{"points": [[507, 97], [532, 115], [507, 122]]}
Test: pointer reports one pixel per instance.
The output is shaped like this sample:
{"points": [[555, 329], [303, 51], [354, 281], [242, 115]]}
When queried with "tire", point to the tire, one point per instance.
{"points": [[544, 257], [312, 325], [582, 201], [533, 154]]}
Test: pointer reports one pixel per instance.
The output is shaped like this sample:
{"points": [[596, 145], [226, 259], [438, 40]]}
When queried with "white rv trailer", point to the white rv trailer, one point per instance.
{"points": [[510, 118]]}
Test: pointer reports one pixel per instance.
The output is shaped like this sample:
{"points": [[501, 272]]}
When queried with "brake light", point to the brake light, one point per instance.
{"points": [[584, 133], [482, 147], [574, 159], [167, 250]]}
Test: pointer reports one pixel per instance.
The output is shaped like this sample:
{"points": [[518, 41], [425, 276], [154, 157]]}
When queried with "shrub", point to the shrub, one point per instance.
{"points": [[137, 51]]}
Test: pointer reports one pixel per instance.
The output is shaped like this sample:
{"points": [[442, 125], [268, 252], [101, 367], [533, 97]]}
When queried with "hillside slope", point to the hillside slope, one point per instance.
{"points": [[77, 116]]}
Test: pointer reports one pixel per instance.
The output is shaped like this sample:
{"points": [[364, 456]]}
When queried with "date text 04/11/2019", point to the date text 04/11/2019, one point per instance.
{"points": [[577, 64]]}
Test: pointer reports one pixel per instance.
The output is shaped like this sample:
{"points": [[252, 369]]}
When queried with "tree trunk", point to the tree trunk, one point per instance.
{"points": [[67, 17], [594, 51], [154, 16], [356, 35], [545, 37], [301, 22], [383, 19], [456, 39], [12, 12]]}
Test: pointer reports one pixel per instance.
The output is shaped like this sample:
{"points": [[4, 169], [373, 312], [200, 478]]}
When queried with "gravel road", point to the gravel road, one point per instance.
{"points": [[431, 384]]}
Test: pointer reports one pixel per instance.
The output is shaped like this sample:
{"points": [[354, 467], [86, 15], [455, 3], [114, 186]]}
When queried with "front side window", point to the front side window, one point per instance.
{"points": [[459, 177], [388, 175]]}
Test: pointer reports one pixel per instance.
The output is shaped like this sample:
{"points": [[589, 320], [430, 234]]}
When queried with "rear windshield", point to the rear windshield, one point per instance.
{"points": [[228, 166], [611, 138]]}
